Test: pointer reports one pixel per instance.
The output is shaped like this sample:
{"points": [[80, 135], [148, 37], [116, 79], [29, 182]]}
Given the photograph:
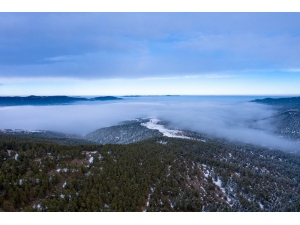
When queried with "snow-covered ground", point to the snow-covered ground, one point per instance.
{"points": [[148, 199], [219, 183], [64, 170], [153, 124], [261, 205]]}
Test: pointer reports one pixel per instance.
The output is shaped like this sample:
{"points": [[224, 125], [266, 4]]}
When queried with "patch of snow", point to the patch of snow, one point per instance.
{"points": [[169, 170], [203, 189], [148, 199], [16, 156], [90, 153], [38, 206], [206, 173], [91, 159], [264, 170], [62, 195], [219, 184], [20, 181], [64, 184], [9, 152], [34, 131], [261, 205], [153, 125]]}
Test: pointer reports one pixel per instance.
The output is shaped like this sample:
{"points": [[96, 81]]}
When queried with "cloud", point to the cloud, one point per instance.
{"points": [[63, 58], [210, 76], [218, 116], [293, 70], [114, 45], [214, 76]]}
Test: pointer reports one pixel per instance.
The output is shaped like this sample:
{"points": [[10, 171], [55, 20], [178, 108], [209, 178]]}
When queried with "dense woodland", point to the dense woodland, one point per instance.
{"points": [[43, 137], [158, 174]]}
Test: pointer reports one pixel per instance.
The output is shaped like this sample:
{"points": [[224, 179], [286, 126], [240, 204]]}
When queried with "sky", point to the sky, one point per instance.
{"points": [[149, 53]]}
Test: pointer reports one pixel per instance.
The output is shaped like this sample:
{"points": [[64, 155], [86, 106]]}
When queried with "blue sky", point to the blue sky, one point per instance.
{"points": [[149, 53]]}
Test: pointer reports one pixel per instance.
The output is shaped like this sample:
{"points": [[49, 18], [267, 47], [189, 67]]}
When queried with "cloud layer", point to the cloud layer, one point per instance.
{"points": [[223, 117], [106, 45]]}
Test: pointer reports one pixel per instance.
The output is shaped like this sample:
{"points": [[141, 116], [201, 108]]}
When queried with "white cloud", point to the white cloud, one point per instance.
{"points": [[215, 76], [223, 117], [296, 70], [61, 58]]}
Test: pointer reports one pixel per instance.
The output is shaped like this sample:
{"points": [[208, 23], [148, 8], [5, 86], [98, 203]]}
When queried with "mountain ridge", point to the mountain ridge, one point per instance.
{"points": [[49, 100], [286, 120]]}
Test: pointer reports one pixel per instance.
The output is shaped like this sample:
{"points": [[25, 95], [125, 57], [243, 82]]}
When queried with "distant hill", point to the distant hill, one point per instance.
{"points": [[49, 100], [287, 120], [128, 132], [290, 102], [138, 130], [41, 136]]}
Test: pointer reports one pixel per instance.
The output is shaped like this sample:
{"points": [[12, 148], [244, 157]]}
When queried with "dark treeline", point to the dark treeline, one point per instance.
{"points": [[43, 137]]}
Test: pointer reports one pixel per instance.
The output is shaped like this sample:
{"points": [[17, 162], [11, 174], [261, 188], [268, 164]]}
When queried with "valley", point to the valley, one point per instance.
{"points": [[148, 165]]}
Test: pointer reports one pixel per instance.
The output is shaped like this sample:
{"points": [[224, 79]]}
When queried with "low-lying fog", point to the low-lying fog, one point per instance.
{"points": [[227, 117]]}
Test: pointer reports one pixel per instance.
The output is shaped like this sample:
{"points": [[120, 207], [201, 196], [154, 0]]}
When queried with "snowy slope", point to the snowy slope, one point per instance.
{"points": [[154, 125]]}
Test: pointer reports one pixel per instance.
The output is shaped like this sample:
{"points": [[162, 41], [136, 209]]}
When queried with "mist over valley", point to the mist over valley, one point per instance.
{"points": [[234, 118]]}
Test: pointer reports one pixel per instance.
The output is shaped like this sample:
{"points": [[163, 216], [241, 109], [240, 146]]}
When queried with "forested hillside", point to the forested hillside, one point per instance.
{"points": [[286, 121], [289, 102], [158, 174], [43, 137], [130, 131]]}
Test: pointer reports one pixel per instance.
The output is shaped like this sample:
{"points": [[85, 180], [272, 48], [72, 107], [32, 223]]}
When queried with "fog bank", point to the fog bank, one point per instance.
{"points": [[223, 117]]}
